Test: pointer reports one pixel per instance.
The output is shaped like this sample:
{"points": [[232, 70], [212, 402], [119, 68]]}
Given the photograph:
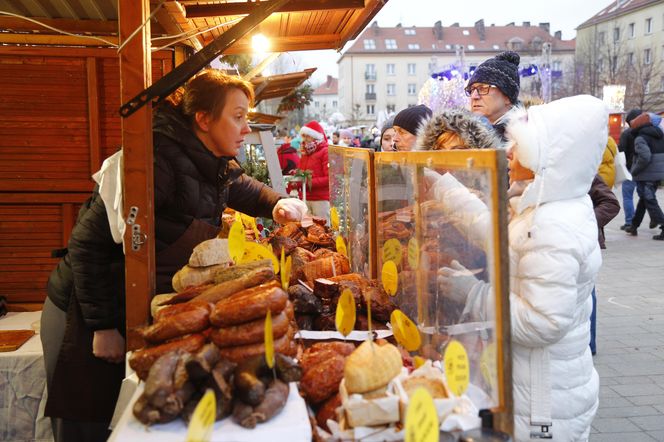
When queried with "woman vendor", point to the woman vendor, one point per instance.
{"points": [[197, 132]]}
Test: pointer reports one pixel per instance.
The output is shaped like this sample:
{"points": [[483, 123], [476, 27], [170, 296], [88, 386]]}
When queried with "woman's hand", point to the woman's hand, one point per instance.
{"points": [[109, 345], [456, 281], [289, 210]]}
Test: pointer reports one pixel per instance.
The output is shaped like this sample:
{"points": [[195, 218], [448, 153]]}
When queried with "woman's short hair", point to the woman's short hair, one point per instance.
{"points": [[206, 92]]}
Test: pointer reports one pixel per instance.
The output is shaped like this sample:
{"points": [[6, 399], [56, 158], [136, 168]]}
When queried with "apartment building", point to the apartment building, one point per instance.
{"points": [[324, 100], [624, 44], [385, 68]]}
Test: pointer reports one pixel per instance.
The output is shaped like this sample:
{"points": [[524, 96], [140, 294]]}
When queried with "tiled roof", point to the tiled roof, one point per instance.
{"points": [[615, 9], [496, 38], [330, 87]]}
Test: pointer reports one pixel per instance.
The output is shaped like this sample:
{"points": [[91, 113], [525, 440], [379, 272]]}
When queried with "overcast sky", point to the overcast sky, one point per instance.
{"points": [[563, 15]]}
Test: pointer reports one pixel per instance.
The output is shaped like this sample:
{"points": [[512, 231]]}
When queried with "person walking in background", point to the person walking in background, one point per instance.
{"points": [[626, 145], [647, 170], [314, 159], [407, 123]]}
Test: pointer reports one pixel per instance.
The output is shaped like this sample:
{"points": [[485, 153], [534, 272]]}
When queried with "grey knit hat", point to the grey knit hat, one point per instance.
{"points": [[411, 118], [501, 71]]}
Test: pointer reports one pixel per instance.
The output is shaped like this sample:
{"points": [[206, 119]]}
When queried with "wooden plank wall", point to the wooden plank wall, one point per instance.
{"points": [[58, 121]]}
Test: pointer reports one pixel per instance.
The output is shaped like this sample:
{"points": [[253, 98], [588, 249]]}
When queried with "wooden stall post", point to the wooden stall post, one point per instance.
{"points": [[135, 76]]}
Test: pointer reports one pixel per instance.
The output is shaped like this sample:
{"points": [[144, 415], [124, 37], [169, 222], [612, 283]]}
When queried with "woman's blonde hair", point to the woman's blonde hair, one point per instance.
{"points": [[206, 92]]}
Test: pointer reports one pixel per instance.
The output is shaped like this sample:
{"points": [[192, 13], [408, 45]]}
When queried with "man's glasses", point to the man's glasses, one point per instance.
{"points": [[482, 89]]}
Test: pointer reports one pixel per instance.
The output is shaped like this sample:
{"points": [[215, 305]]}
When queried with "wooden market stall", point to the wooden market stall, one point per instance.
{"points": [[60, 65]]}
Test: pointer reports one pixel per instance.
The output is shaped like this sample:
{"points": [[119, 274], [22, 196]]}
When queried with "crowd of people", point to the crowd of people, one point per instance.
{"points": [[559, 199]]}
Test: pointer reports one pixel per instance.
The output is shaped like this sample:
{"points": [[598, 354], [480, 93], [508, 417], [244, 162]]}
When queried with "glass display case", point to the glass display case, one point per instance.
{"points": [[441, 217], [352, 196]]}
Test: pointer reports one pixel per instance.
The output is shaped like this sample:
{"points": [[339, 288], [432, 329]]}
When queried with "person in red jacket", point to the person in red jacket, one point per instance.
{"points": [[289, 160], [314, 159]]}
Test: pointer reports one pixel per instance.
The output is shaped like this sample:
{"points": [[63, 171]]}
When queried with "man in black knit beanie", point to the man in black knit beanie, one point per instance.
{"points": [[494, 86]]}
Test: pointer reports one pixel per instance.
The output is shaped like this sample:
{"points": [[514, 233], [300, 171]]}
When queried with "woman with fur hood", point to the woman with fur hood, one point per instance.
{"points": [[554, 260]]}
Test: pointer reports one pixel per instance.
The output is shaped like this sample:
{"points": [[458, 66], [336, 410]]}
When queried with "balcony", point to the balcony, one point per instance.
{"points": [[370, 76], [370, 96]]}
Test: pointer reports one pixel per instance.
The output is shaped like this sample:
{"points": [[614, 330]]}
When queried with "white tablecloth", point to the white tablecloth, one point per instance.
{"points": [[23, 385], [291, 424]]}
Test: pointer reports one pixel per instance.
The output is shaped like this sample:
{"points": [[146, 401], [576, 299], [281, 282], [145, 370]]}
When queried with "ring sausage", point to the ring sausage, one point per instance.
{"points": [[248, 305], [250, 332], [241, 352]]}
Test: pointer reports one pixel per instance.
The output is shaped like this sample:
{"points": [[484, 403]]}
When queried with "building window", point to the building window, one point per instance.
{"points": [[370, 72], [390, 69], [412, 88], [631, 31], [316, 104], [390, 43], [411, 68], [648, 25], [602, 37], [392, 108], [391, 89], [409, 31], [630, 59], [614, 63], [600, 64], [371, 88], [371, 109], [466, 32], [334, 103], [370, 44], [647, 56], [413, 46], [616, 34], [411, 105], [557, 65]]}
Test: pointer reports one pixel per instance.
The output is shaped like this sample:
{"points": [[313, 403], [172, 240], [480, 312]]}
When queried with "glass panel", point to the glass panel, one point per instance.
{"points": [[350, 193], [437, 218]]}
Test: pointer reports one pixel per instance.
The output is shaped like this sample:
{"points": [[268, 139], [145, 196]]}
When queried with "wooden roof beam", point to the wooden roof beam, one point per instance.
{"points": [[171, 17], [97, 27], [244, 8], [292, 43]]}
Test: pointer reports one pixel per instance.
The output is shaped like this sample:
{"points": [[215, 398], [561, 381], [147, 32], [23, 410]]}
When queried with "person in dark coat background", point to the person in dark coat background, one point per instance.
{"points": [[197, 132], [606, 207]]}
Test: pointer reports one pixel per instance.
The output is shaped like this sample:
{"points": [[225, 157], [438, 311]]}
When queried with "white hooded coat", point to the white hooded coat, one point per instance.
{"points": [[554, 260]]}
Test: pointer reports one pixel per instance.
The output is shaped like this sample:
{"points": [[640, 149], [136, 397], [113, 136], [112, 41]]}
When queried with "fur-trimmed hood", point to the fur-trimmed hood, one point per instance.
{"points": [[475, 131]]}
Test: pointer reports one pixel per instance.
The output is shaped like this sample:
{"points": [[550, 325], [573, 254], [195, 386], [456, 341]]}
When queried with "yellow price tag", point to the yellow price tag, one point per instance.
{"points": [[202, 421], [285, 265], [341, 246], [256, 252], [345, 315], [392, 251], [418, 361], [390, 277], [457, 368], [334, 219], [405, 331], [269, 340], [250, 223], [422, 418], [413, 254], [236, 242], [488, 364]]}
